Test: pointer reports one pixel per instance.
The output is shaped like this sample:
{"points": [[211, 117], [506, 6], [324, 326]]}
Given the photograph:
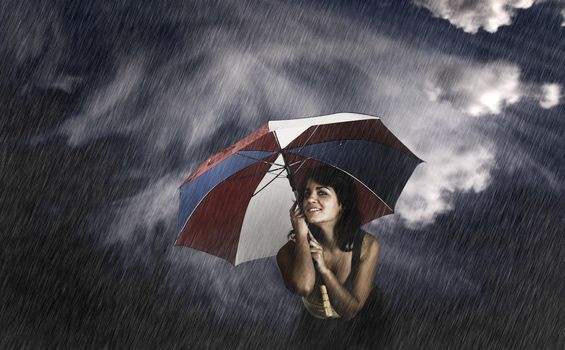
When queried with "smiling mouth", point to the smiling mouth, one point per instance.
{"points": [[314, 210]]}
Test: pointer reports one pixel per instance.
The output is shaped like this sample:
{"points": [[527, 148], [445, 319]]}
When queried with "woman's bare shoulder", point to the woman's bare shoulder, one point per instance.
{"points": [[287, 248], [370, 247]]}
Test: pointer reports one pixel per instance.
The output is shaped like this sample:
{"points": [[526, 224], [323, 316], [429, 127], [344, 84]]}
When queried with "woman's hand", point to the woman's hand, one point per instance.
{"points": [[294, 258], [298, 220], [317, 253]]}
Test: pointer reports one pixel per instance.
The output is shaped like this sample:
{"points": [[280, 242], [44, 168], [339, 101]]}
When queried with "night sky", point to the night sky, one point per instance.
{"points": [[106, 107]]}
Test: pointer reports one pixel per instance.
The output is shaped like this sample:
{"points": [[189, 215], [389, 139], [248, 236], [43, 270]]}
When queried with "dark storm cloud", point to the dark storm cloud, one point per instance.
{"points": [[530, 142], [149, 91], [508, 254], [34, 46], [341, 77], [219, 76]]}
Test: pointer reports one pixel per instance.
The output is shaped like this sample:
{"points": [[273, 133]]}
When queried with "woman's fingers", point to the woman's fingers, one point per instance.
{"points": [[318, 257], [313, 239], [296, 211], [315, 244], [316, 250], [316, 254], [298, 220], [315, 247]]}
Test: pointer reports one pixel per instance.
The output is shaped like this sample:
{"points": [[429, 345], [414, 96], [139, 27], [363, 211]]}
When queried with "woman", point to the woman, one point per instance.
{"points": [[328, 248]]}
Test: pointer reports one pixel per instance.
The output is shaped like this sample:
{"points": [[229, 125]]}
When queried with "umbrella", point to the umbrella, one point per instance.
{"points": [[235, 204]]}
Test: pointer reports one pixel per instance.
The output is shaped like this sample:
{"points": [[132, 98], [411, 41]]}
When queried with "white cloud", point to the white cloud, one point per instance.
{"points": [[477, 89], [157, 202], [230, 84], [67, 83], [446, 172], [550, 95], [481, 89], [475, 14], [109, 109]]}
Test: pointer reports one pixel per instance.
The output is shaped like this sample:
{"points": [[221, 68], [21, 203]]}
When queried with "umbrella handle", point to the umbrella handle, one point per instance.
{"points": [[326, 300]]}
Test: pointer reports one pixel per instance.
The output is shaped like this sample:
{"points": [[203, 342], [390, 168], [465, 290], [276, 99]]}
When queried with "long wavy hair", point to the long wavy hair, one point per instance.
{"points": [[349, 221]]}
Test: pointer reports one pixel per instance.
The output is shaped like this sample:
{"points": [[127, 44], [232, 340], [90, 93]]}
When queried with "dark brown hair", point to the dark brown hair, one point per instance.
{"points": [[344, 187]]}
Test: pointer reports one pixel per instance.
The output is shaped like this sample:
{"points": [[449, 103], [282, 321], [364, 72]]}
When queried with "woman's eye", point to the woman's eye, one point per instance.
{"points": [[322, 193]]}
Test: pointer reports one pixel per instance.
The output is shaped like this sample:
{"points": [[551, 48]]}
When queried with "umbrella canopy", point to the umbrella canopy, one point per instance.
{"points": [[235, 205]]}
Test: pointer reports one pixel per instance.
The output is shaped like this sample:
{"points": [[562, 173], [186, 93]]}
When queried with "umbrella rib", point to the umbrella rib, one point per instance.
{"points": [[315, 155], [309, 137], [276, 169], [268, 183], [259, 160], [255, 174]]}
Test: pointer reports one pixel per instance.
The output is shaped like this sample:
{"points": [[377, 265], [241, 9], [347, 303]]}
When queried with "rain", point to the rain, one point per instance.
{"points": [[108, 107]]}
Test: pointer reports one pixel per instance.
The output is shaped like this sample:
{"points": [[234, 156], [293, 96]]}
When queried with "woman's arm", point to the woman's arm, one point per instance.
{"points": [[295, 263], [294, 258], [346, 303]]}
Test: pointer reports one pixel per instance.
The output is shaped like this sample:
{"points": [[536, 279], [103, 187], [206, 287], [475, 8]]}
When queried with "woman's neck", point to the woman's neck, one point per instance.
{"points": [[328, 235]]}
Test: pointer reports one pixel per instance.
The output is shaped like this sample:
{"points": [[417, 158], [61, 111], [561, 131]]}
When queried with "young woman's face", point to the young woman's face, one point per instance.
{"points": [[320, 204]]}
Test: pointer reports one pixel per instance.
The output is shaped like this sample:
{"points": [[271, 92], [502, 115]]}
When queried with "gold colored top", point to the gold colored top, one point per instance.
{"points": [[314, 303]]}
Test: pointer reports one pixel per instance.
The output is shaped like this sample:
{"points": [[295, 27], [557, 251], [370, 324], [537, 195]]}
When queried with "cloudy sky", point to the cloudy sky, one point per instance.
{"points": [[108, 107]]}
